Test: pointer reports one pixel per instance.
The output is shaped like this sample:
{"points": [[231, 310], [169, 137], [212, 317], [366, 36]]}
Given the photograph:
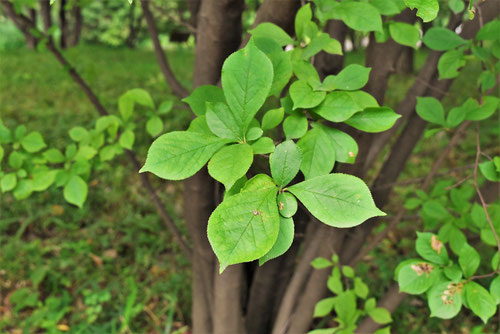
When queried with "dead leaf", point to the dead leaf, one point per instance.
{"points": [[63, 327], [436, 244], [57, 210], [97, 260], [110, 253]]}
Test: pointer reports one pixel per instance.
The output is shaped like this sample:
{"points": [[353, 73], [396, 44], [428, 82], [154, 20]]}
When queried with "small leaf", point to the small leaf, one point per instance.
{"points": [[165, 107], [54, 156], [154, 126], [41, 180], [303, 95], [480, 301], [245, 226], [231, 163], [489, 171], [287, 205], [489, 31], [295, 125], [404, 33], [426, 9], [337, 199], [272, 118], [346, 148], [338, 107], [302, 18], [75, 191], [324, 307], [430, 110], [285, 163], [442, 39], [373, 120], [431, 248], [495, 289], [380, 315], [254, 134], [33, 142], [8, 182], [127, 139], [263, 145], [283, 242], [23, 189], [353, 77], [180, 154], [321, 263], [445, 300], [78, 133], [449, 64], [360, 288]]}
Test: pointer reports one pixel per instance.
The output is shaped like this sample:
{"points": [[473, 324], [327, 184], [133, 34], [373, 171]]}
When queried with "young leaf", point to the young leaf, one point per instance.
{"points": [[480, 301], [287, 205], [75, 191], [180, 154], [338, 200], [283, 242], [272, 31], [321, 263], [360, 288], [318, 153], [353, 77], [201, 95], [359, 16], [445, 300], [295, 125], [338, 107], [231, 163], [430, 110], [303, 95], [8, 182], [324, 307], [244, 227], [323, 41], [127, 139], [404, 33], [373, 119], [223, 122], [154, 126], [380, 315], [442, 39], [285, 163], [263, 145], [305, 71], [417, 277], [127, 101], [303, 17], [426, 9], [272, 118], [469, 260], [247, 76], [33, 142], [431, 248], [54, 156]]}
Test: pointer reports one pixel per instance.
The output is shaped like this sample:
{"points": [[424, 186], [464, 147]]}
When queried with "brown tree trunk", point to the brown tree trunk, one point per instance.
{"points": [[74, 37], [63, 42], [45, 14]]}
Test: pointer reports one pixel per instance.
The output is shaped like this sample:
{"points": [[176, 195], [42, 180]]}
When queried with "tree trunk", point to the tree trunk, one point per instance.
{"points": [[45, 14], [63, 42], [74, 37]]}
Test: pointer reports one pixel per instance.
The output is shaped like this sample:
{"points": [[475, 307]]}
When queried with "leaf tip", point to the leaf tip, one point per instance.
{"points": [[222, 267]]}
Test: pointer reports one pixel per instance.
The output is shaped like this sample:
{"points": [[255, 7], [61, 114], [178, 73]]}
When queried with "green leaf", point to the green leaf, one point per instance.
{"points": [[272, 118], [287, 205], [8, 182], [345, 307], [417, 277], [180, 154], [445, 300], [75, 191], [247, 76], [489, 171], [223, 122], [244, 227], [334, 282], [388, 7], [165, 107], [455, 117], [305, 71], [127, 139], [283, 242], [199, 125], [370, 304], [489, 31], [16, 159], [431, 248], [154, 126], [295, 125], [127, 101], [302, 18], [456, 6], [442, 39], [318, 153], [53, 155], [43, 179], [201, 95], [254, 134], [480, 301], [338, 107], [321, 263], [430, 110], [360, 288], [427, 9], [5, 133], [78, 133], [323, 41], [449, 63], [33, 142], [272, 31], [263, 145], [469, 260], [348, 271], [231, 163], [285, 163], [324, 307], [404, 34], [358, 16], [337, 199], [380, 315], [85, 152], [2, 153], [303, 95], [346, 148], [281, 60], [353, 77], [454, 273], [477, 112], [373, 119], [23, 189], [495, 289]]}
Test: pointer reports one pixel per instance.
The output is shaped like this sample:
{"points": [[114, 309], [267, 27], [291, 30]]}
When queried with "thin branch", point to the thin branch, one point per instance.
{"points": [[167, 72], [167, 220]]}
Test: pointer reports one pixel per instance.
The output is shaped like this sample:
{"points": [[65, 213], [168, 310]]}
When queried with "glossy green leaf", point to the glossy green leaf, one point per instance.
{"points": [[480, 301], [272, 31], [283, 242], [404, 34], [201, 95], [287, 205], [180, 154], [263, 145], [223, 122], [338, 200], [272, 118], [442, 39], [353, 77], [244, 227], [338, 107], [426, 9], [318, 153], [285, 163], [373, 119], [430, 110], [33, 142], [303, 95], [75, 191], [247, 76], [230, 163], [445, 300]]}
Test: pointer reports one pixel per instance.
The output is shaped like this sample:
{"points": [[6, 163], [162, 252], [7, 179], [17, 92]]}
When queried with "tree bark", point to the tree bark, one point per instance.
{"points": [[63, 42], [74, 36], [326, 63], [45, 14]]}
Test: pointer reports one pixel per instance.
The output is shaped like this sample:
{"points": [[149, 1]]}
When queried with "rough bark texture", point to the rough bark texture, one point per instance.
{"points": [[63, 24], [279, 12]]}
